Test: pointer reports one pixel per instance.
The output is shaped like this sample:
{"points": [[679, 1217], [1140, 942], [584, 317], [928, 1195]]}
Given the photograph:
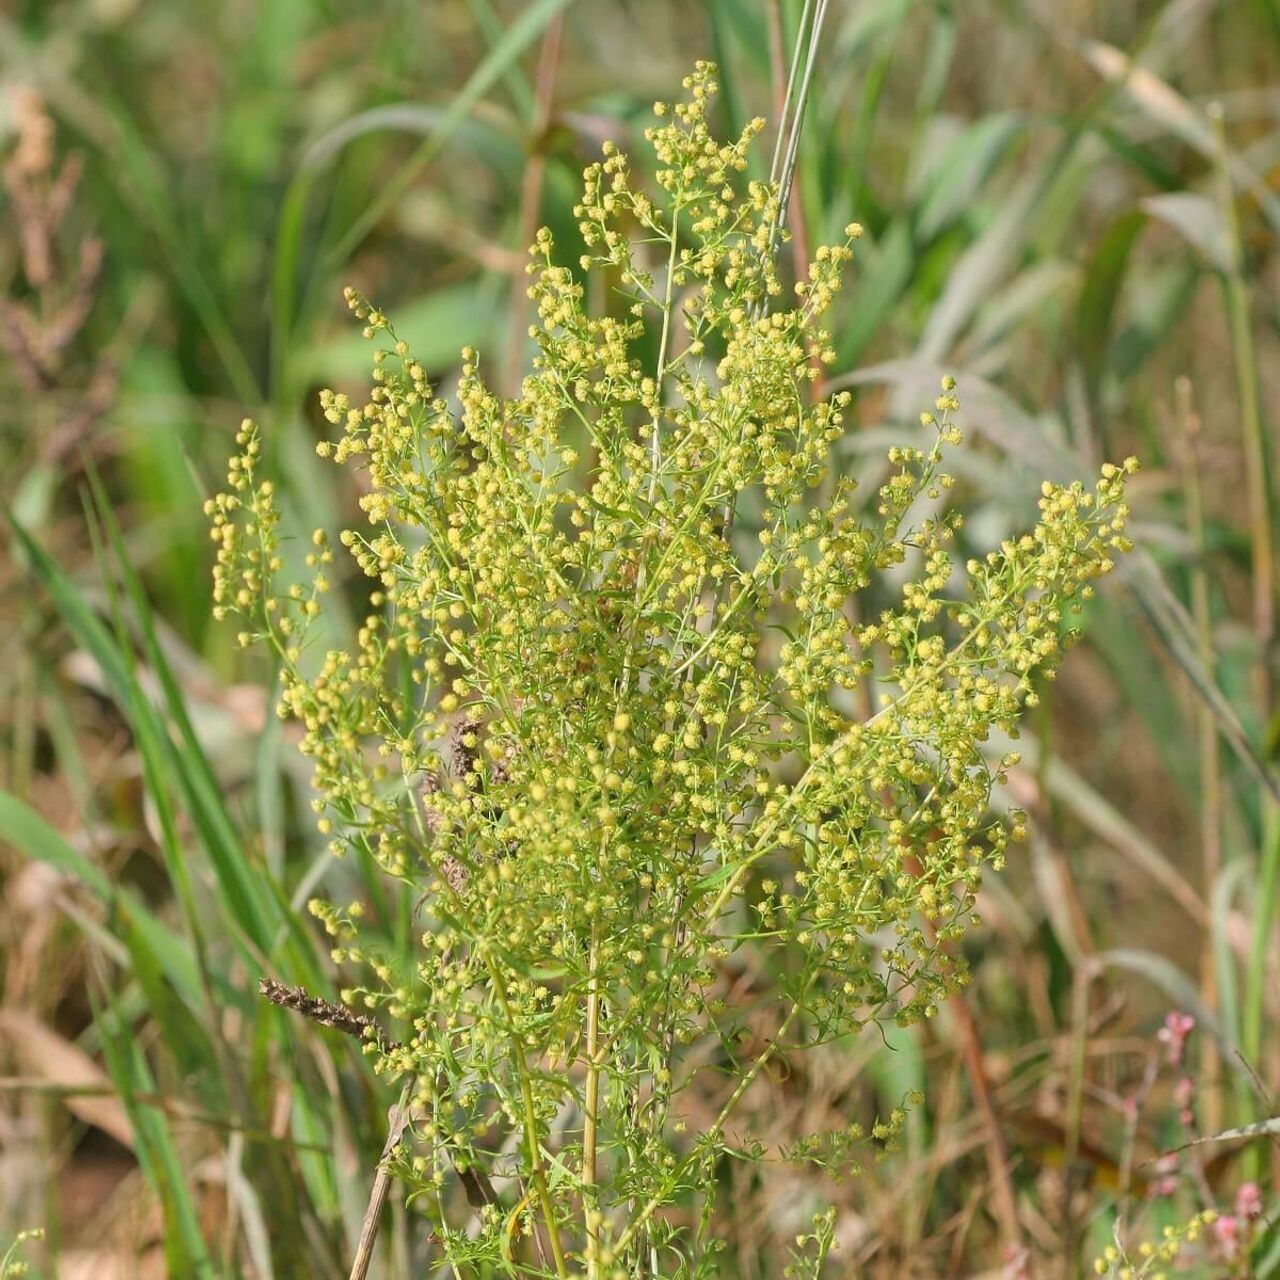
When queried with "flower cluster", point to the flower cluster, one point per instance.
{"points": [[1183, 1176], [1173, 1035], [1153, 1257], [12, 1264], [568, 723]]}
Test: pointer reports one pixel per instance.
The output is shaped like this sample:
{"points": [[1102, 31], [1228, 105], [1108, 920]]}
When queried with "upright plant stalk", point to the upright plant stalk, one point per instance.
{"points": [[1264, 585], [786, 149], [1255, 992], [783, 169], [1085, 973], [783, 87], [591, 1116], [537, 1171], [531, 193], [1261, 533], [1005, 1207], [660, 373], [784, 104], [397, 1122], [1206, 729]]}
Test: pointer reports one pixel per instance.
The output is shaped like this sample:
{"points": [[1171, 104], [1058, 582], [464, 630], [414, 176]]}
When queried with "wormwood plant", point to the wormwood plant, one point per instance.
{"points": [[600, 719]]}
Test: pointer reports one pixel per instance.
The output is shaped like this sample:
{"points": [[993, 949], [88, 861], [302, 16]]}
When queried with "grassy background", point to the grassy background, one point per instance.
{"points": [[1071, 205]]}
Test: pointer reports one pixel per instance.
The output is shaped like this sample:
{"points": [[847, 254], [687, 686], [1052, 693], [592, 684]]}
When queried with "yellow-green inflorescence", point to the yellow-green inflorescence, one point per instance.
{"points": [[600, 710], [1150, 1260]]}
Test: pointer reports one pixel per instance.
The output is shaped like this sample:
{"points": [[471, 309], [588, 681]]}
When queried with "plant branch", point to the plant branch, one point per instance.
{"points": [[537, 1171]]}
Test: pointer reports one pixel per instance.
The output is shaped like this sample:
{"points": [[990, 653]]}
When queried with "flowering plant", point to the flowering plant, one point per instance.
{"points": [[570, 726]]}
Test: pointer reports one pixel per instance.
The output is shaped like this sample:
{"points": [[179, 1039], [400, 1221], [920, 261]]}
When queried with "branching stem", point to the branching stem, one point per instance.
{"points": [[717, 1128], [537, 1172], [655, 443], [591, 1108]]}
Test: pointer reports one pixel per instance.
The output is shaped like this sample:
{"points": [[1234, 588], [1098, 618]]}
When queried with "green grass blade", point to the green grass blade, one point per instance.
{"points": [[252, 911], [1104, 278], [519, 36], [241, 880], [967, 162], [881, 283], [1176, 986], [28, 833], [184, 1245]]}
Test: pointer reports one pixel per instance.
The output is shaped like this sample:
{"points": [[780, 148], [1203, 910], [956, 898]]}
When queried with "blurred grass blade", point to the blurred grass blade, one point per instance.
{"points": [[981, 268], [219, 835], [182, 1031], [1253, 1013], [165, 1170], [966, 163], [184, 1036], [27, 832], [445, 334], [522, 32], [1176, 630], [83, 1087], [1106, 822], [1176, 986], [240, 1192], [989, 411], [1168, 108], [518, 88], [1227, 885], [1104, 278], [253, 913], [1119, 643], [884, 273], [24, 830], [1198, 220], [397, 117], [436, 327]]}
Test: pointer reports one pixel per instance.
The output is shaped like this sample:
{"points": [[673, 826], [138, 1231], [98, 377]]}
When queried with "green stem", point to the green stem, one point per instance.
{"points": [[673, 1178], [1256, 977], [1263, 566], [591, 1109], [655, 456], [1206, 729], [1255, 446], [536, 1170]]}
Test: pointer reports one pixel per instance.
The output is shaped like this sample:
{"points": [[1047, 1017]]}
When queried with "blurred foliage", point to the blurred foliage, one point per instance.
{"points": [[1072, 206]]}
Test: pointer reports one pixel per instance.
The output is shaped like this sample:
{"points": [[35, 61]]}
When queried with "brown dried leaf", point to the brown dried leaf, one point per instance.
{"points": [[86, 1088]]}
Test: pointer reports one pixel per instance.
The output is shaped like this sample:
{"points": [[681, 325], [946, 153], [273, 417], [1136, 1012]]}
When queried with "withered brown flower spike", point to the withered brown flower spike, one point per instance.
{"points": [[327, 1013]]}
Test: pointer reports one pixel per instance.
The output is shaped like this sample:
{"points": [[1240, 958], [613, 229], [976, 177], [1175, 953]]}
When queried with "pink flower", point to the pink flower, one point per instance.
{"points": [[1166, 1171], [1017, 1263], [1226, 1230], [1173, 1035], [1184, 1093], [1249, 1200]]}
